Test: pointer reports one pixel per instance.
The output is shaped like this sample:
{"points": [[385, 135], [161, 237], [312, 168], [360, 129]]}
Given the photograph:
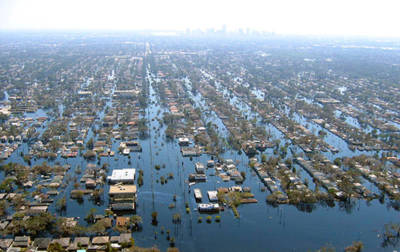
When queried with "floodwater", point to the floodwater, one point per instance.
{"points": [[261, 227]]}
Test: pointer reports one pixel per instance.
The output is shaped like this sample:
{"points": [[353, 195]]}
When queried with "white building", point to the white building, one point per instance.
{"points": [[212, 195], [183, 141], [126, 176], [200, 168]]}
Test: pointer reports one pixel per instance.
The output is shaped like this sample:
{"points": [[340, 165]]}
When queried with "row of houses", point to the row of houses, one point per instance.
{"points": [[79, 244]]}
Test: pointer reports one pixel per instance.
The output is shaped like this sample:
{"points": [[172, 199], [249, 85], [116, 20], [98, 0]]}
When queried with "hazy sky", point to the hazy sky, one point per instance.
{"points": [[325, 17]]}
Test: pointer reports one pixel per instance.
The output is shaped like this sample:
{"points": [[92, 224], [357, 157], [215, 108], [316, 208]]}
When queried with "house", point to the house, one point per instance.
{"points": [[41, 243], [200, 168], [125, 237], [4, 224], [190, 151], [223, 190], [197, 177], [122, 221], [84, 93], [197, 194], [21, 241], [114, 239], [107, 222], [100, 240], [183, 141], [37, 209], [98, 243], [229, 161], [126, 93], [5, 244], [70, 222], [208, 207], [236, 189], [81, 242], [90, 184], [64, 241], [212, 195]]}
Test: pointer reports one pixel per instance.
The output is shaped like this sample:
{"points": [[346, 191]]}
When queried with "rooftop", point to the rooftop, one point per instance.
{"points": [[123, 175], [117, 189]]}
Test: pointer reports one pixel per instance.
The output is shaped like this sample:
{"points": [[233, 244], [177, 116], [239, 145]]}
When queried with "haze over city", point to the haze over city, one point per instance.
{"points": [[315, 17]]}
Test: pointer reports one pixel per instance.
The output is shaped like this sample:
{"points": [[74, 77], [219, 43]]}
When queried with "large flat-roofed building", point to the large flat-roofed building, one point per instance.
{"points": [[122, 191], [125, 176]]}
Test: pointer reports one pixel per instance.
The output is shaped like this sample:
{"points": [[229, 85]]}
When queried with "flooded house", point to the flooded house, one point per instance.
{"points": [[197, 194]]}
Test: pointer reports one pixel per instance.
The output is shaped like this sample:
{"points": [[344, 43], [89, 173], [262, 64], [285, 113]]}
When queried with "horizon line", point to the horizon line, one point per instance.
{"points": [[198, 31]]}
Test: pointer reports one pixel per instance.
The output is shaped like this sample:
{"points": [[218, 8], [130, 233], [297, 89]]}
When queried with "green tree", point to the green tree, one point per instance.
{"points": [[62, 204], [90, 144], [3, 208], [39, 224], [55, 247], [357, 246], [136, 220], [263, 158], [90, 216]]}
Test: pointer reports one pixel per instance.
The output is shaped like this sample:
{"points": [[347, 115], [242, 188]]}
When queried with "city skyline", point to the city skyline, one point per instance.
{"points": [[355, 18]]}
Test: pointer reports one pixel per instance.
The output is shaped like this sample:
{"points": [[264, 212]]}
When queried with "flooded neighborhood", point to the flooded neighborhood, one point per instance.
{"points": [[144, 142]]}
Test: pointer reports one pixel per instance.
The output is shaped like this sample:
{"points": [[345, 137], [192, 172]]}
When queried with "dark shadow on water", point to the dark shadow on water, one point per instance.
{"points": [[395, 204], [348, 206], [305, 207]]}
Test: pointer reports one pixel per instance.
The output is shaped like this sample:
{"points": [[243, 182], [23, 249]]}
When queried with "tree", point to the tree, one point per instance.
{"points": [[288, 162], [170, 132], [89, 154], [90, 216], [154, 218], [136, 220], [3, 208], [79, 196], [96, 195], [54, 144], [109, 248], [55, 247], [62, 204], [7, 185], [90, 144], [263, 158], [63, 228], [39, 224], [337, 162], [357, 246], [97, 228], [176, 218]]}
